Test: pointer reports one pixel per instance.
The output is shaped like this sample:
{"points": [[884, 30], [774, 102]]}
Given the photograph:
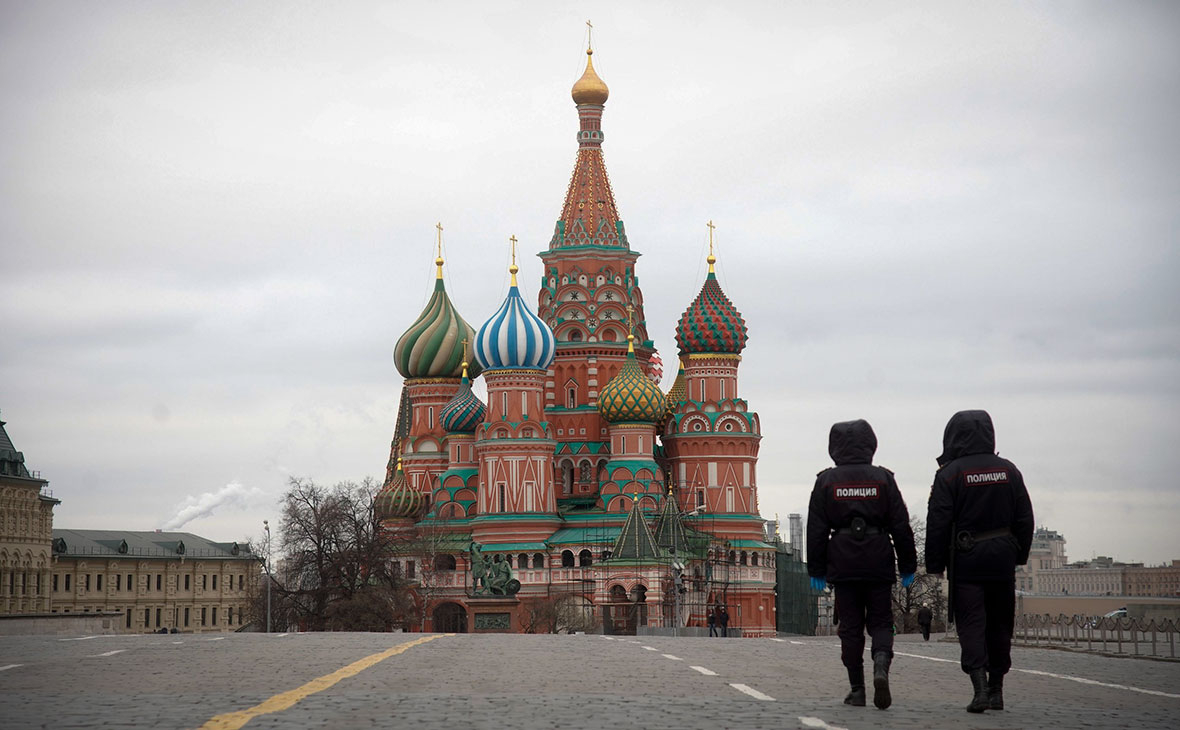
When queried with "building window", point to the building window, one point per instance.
{"points": [[186, 582], [503, 503], [158, 611], [129, 586], [186, 610], [524, 405], [241, 581], [98, 581], [214, 585], [147, 616], [722, 384], [129, 618], [87, 582], [67, 583], [410, 569], [55, 582], [430, 417], [504, 403], [204, 614], [571, 399], [538, 560], [118, 581], [215, 615], [159, 581], [204, 582], [229, 620], [567, 559], [584, 559]]}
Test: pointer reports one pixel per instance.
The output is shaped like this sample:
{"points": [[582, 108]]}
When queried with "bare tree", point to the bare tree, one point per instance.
{"points": [[925, 588], [334, 571]]}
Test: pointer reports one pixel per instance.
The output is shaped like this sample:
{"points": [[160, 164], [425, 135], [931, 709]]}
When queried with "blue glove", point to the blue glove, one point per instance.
{"points": [[818, 584], [907, 579]]}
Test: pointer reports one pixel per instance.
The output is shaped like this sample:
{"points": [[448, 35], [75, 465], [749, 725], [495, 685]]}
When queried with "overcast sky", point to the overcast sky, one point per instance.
{"points": [[217, 218]]}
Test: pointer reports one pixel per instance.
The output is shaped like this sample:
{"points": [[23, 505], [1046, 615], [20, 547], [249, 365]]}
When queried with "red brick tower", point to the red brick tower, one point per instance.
{"points": [[711, 438], [589, 281]]}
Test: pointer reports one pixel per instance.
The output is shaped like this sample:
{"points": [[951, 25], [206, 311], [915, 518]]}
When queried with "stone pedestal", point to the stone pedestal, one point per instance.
{"points": [[493, 615]]}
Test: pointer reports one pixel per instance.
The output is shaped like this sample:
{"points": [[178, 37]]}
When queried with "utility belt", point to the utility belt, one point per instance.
{"points": [[965, 541], [859, 529]]}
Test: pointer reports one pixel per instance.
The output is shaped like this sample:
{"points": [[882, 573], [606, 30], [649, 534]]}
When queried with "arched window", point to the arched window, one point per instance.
{"points": [[618, 594], [732, 557], [538, 560], [444, 562], [571, 398], [754, 559], [584, 559], [567, 481], [742, 559], [508, 559], [567, 559], [575, 336], [522, 561]]}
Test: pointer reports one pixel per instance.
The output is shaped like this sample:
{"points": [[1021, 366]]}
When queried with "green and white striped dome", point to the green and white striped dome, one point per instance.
{"points": [[433, 346]]}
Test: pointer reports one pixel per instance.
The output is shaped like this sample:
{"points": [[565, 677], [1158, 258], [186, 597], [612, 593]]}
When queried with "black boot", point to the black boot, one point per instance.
{"points": [[979, 702], [856, 678], [881, 697], [995, 691]]}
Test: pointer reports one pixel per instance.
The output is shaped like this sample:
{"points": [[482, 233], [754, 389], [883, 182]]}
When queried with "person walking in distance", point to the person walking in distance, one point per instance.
{"points": [[925, 618], [723, 618], [856, 522], [712, 621], [979, 527]]}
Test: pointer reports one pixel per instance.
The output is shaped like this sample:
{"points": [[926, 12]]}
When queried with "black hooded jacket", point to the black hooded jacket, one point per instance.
{"points": [[976, 491], [855, 488]]}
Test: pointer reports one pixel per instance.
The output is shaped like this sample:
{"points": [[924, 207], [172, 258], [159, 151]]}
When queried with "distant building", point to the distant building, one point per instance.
{"points": [[1163, 580], [1047, 553], [155, 579], [26, 521]]}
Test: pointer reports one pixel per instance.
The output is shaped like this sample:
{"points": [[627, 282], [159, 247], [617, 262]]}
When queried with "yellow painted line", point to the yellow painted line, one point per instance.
{"points": [[285, 700]]}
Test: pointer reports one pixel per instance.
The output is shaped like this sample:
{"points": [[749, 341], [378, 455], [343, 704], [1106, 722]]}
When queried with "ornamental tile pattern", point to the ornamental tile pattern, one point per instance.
{"points": [[711, 324], [631, 397]]}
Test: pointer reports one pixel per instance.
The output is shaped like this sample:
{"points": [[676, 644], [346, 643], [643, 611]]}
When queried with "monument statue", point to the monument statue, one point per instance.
{"points": [[490, 576]]}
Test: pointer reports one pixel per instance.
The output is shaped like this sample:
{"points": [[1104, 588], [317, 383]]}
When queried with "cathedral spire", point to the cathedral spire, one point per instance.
{"points": [[589, 216]]}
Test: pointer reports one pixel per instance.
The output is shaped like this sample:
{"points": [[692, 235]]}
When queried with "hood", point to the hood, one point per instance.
{"points": [[852, 442], [968, 432]]}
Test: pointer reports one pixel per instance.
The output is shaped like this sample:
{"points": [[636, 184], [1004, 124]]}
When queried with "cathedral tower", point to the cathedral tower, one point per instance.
{"points": [[588, 284], [514, 444]]}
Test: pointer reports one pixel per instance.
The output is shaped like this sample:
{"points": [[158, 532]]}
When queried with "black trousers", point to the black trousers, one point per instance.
{"points": [[862, 605], [985, 614]]}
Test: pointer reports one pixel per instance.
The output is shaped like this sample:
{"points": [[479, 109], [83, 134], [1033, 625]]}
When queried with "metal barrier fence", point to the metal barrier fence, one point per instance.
{"points": [[1136, 637]]}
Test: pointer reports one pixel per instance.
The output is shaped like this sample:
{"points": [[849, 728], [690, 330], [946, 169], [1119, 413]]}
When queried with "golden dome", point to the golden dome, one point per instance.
{"points": [[589, 89]]}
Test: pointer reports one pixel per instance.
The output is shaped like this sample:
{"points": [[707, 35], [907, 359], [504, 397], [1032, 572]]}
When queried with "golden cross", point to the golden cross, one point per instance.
{"points": [[589, 34], [513, 239], [630, 309], [464, 349], [439, 227], [711, 227]]}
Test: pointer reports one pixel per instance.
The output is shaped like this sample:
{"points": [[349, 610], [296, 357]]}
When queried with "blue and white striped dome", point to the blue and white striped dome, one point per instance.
{"points": [[514, 337]]}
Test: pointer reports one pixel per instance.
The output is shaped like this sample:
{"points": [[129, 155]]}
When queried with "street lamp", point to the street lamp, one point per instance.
{"points": [[266, 564]]}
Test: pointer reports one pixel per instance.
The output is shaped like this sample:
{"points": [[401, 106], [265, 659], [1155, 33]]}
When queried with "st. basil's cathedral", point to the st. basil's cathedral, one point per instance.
{"points": [[580, 496]]}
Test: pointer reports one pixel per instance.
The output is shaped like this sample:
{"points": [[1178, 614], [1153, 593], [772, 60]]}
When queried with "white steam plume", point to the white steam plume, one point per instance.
{"points": [[232, 494]]}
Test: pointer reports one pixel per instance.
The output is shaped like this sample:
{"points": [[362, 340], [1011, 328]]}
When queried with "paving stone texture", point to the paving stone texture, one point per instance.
{"points": [[568, 682]]}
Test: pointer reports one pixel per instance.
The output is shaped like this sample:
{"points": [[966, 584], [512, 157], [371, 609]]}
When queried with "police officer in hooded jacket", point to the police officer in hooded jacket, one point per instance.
{"points": [[856, 520], [979, 524]]}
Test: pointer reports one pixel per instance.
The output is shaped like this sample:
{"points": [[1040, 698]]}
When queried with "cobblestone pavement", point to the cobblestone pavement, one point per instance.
{"points": [[568, 682]]}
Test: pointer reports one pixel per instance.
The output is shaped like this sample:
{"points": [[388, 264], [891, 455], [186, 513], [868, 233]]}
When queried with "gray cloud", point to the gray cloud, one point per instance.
{"points": [[228, 212]]}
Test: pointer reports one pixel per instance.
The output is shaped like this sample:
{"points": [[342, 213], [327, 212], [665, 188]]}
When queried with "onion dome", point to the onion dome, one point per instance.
{"points": [[464, 411], [711, 324], [589, 89], [397, 499], [678, 392], [630, 396], [432, 346], [514, 337]]}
